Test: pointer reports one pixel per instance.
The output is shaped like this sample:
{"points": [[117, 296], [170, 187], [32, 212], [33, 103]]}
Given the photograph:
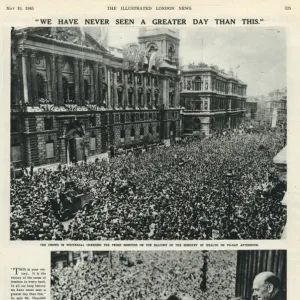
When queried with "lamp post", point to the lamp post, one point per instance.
{"points": [[230, 176]]}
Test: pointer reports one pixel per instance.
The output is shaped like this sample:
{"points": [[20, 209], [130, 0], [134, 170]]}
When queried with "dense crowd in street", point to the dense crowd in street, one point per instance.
{"points": [[150, 276], [179, 192]]}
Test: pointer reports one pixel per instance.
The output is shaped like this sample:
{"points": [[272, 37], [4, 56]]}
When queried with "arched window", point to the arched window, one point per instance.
{"points": [[149, 98], [171, 99], [156, 96], [140, 91], [86, 90], [120, 96], [104, 93], [41, 89], [198, 84], [171, 52], [130, 97], [119, 76]]}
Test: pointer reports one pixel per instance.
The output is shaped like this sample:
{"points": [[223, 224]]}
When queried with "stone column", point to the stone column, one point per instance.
{"points": [[109, 102], [144, 92], [76, 81], [100, 84], [96, 95], [125, 89], [33, 78], [92, 85], [24, 75], [59, 81], [29, 81], [53, 79], [135, 98], [164, 50], [152, 93], [177, 93], [115, 102], [81, 80], [164, 92], [48, 71]]}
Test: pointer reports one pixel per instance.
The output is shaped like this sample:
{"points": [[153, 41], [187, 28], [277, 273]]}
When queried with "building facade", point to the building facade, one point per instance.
{"points": [[213, 100], [71, 97]]}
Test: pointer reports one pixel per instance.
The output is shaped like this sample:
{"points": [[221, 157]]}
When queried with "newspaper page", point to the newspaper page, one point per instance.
{"points": [[144, 150]]}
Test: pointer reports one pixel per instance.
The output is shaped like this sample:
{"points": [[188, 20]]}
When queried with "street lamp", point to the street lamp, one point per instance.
{"points": [[230, 175]]}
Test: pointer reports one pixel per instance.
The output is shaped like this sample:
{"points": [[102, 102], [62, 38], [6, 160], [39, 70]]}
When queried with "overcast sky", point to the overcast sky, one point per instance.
{"points": [[260, 52]]}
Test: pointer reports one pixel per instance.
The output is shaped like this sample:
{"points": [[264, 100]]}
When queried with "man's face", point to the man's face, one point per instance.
{"points": [[261, 289]]}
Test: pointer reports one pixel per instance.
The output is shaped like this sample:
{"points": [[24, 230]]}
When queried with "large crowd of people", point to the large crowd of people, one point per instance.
{"points": [[182, 192], [150, 275]]}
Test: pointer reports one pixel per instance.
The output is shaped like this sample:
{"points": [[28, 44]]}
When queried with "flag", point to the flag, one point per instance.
{"points": [[159, 59], [152, 60], [82, 32]]}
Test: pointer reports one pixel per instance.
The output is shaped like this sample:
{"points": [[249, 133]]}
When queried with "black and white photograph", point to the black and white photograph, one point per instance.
{"points": [[169, 275], [149, 133]]}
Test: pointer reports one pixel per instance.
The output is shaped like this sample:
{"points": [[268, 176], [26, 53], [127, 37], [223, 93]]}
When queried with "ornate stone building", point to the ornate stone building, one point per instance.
{"points": [[71, 96], [213, 100]]}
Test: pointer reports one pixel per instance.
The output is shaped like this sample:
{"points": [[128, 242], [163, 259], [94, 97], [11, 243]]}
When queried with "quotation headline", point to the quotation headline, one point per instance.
{"points": [[194, 21]]}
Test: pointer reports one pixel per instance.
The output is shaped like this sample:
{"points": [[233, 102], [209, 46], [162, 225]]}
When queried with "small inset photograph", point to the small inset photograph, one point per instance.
{"points": [[169, 275]]}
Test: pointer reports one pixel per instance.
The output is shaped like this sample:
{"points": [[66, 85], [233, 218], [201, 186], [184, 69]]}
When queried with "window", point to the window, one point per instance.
{"points": [[156, 98], [171, 52], [93, 121], [65, 90], [150, 116], [157, 129], [48, 122], [14, 125], [130, 78], [148, 80], [171, 99], [122, 118], [132, 133], [93, 143], [16, 153], [119, 76], [41, 87], [120, 96], [130, 97], [150, 129], [132, 117], [49, 149], [140, 99], [86, 90], [142, 131], [139, 79], [141, 116], [149, 98], [123, 135]]}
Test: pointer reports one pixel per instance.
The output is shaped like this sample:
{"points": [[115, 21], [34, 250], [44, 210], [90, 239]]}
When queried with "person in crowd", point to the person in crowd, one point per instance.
{"points": [[267, 286], [31, 169]]}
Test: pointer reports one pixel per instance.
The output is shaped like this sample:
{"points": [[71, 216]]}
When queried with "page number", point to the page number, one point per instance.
{"points": [[287, 7]]}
